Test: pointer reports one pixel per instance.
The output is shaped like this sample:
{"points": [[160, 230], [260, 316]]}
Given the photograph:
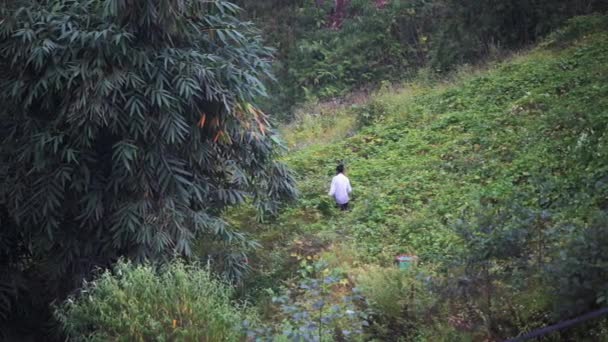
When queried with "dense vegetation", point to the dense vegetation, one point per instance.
{"points": [[135, 303], [496, 181], [144, 196], [328, 48]]}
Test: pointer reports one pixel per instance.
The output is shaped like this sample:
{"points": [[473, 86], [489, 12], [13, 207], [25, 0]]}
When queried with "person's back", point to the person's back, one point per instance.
{"points": [[340, 188]]}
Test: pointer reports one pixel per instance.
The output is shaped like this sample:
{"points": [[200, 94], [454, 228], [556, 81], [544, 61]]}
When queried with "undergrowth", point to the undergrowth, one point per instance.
{"points": [[527, 133]]}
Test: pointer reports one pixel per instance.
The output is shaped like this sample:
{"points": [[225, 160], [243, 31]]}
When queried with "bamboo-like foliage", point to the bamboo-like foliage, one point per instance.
{"points": [[126, 126]]}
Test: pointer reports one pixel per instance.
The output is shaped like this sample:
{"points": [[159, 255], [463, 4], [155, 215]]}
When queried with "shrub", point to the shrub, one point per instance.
{"points": [[398, 299], [141, 303], [580, 273], [320, 307], [393, 291], [373, 112]]}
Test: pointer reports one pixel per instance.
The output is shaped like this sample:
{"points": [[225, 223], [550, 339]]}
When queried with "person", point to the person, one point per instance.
{"points": [[340, 188]]}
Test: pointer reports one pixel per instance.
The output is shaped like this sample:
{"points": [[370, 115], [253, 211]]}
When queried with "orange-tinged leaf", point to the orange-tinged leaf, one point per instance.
{"points": [[217, 136], [201, 122], [174, 323]]}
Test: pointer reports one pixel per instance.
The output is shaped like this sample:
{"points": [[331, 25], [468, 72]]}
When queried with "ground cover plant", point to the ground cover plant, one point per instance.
{"points": [[489, 180]]}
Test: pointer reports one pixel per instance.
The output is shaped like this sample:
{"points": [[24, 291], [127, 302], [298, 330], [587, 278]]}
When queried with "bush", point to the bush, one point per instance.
{"points": [[580, 273], [399, 299], [373, 112], [140, 303], [320, 307]]}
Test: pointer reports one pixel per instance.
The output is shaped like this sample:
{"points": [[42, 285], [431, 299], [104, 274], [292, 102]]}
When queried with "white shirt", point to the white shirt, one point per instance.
{"points": [[340, 188]]}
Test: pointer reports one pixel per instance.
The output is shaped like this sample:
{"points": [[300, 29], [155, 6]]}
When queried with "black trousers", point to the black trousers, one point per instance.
{"points": [[343, 207]]}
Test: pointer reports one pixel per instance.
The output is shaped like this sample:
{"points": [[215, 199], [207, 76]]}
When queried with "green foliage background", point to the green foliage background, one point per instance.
{"points": [[495, 180], [131, 130], [320, 57]]}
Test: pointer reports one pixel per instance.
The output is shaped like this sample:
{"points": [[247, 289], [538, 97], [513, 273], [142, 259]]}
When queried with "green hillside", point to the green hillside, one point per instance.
{"points": [[496, 173], [165, 168]]}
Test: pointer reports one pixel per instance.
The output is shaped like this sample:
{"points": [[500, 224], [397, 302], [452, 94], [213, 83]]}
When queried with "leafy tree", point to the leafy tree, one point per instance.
{"points": [[126, 128]]}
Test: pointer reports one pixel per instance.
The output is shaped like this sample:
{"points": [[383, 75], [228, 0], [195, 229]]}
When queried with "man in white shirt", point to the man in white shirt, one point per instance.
{"points": [[340, 188]]}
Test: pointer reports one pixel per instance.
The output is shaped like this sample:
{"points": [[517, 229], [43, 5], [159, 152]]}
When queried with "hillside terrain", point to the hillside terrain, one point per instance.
{"points": [[496, 181], [328, 49], [165, 167]]}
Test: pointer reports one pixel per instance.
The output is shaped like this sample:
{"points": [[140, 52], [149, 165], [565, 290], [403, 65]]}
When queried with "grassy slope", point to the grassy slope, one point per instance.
{"points": [[484, 137], [532, 128]]}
